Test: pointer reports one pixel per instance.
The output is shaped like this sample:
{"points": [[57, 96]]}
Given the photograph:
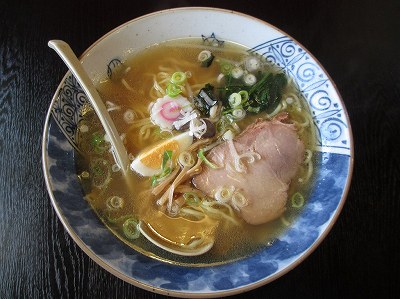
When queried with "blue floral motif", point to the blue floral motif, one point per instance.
{"points": [[311, 80], [212, 40], [112, 65], [66, 109]]}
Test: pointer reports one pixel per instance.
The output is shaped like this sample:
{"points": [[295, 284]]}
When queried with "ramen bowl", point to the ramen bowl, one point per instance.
{"points": [[333, 152]]}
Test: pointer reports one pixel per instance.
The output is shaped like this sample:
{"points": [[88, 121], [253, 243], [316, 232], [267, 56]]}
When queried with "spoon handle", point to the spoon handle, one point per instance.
{"points": [[75, 66]]}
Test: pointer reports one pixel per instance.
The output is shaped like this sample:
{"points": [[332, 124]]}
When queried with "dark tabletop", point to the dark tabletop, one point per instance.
{"points": [[358, 42]]}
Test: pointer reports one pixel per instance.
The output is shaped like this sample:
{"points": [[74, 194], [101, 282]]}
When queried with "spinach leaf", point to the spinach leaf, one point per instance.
{"points": [[267, 92]]}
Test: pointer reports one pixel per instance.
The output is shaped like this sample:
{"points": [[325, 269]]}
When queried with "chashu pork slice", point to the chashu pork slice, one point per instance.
{"points": [[265, 182]]}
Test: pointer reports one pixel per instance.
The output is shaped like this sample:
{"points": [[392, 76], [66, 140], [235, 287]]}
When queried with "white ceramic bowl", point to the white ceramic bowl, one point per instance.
{"points": [[334, 155]]}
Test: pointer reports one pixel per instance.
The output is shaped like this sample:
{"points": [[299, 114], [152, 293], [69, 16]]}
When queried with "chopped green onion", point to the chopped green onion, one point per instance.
{"points": [[227, 112], [84, 128], [204, 159], [297, 200], [129, 116], [244, 95], [237, 72], [224, 194], [229, 118], [167, 157], [238, 113], [114, 203], [253, 109], [206, 58], [154, 180], [97, 138], [115, 168], [222, 124], [191, 198], [252, 64], [249, 79], [98, 143], [131, 229], [178, 78], [188, 74], [186, 159], [173, 90], [235, 100], [166, 168], [226, 68]]}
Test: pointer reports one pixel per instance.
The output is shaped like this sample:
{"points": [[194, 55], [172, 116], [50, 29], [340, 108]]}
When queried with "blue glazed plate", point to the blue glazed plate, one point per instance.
{"points": [[334, 154]]}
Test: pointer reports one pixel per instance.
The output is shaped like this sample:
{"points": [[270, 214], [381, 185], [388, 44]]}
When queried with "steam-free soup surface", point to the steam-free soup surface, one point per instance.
{"points": [[130, 94]]}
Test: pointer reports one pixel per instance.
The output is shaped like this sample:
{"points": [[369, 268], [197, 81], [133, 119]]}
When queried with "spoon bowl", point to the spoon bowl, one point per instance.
{"points": [[119, 151], [180, 250]]}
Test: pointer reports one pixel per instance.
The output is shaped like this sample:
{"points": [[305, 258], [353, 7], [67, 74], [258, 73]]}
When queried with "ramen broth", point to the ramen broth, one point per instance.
{"points": [[128, 93]]}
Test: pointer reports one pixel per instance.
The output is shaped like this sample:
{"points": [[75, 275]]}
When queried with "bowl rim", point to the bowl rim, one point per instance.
{"points": [[218, 293]]}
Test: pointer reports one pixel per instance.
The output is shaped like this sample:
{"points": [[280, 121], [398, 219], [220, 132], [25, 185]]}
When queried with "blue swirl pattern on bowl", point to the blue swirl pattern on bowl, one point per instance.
{"points": [[328, 115], [333, 156]]}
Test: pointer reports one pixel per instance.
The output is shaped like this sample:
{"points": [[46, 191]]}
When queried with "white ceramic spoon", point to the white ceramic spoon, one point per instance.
{"points": [[146, 231], [120, 154], [75, 66]]}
